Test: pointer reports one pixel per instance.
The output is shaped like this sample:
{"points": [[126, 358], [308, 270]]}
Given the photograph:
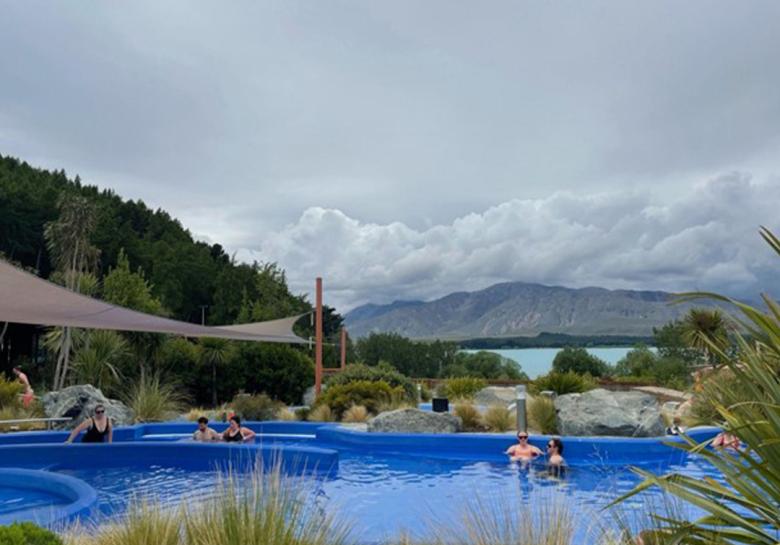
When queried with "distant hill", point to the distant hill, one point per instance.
{"points": [[518, 309]]}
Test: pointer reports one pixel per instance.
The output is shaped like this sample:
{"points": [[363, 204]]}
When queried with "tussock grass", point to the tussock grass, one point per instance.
{"points": [[356, 413], [154, 401], [499, 419], [285, 415], [469, 415], [542, 415], [321, 413]]}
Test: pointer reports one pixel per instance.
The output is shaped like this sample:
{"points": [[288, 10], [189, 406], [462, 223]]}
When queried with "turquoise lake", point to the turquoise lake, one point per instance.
{"points": [[538, 361]]}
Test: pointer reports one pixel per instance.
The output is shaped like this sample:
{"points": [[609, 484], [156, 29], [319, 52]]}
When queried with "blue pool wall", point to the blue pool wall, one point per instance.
{"points": [[317, 443], [79, 498]]}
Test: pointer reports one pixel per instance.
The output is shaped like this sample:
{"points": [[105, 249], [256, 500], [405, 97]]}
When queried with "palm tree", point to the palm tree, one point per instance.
{"points": [[215, 352], [707, 331], [97, 361], [68, 242]]}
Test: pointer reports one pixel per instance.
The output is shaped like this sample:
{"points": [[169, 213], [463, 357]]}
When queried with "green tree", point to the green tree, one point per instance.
{"points": [[706, 330], [68, 242], [279, 370], [215, 353], [580, 361], [484, 364], [129, 289]]}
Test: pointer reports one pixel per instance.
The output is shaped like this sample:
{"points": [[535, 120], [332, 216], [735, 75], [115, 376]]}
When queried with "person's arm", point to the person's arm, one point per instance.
{"points": [[537, 451], [77, 430], [510, 451], [248, 435], [110, 431], [216, 436]]}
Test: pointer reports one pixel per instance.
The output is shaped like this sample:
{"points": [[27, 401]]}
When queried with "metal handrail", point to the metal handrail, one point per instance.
{"points": [[48, 421]]}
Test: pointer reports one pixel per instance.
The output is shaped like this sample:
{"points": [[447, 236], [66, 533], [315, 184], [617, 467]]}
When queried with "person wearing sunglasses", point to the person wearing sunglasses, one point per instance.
{"points": [[523, 451], [99, 428], [555, 452]]}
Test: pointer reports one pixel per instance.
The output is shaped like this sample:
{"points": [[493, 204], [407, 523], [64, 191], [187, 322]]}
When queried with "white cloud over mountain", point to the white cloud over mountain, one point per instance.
{"points": [[703, 238]]}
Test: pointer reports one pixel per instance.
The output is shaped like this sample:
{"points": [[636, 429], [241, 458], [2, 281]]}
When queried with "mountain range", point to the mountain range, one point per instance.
{"points": [[519, 309]]}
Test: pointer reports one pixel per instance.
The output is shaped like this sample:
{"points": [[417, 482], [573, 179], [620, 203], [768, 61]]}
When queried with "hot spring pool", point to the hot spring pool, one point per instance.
{"points": [[386, 484]]}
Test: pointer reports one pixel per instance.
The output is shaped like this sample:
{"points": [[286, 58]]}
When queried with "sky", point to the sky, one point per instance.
{"points": [[405, 150]]}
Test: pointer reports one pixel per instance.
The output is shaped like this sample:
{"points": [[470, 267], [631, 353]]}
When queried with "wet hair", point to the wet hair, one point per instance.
{"points": [[235, 418], [203, 420], [558, 444]]}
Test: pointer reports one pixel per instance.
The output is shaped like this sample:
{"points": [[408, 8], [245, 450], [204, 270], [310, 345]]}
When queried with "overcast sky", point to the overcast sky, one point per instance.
{"points": [[409, 149]]}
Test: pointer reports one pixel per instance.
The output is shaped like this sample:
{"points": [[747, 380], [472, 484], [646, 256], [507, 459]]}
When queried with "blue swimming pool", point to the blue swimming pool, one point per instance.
{"points": [[383, 483]]}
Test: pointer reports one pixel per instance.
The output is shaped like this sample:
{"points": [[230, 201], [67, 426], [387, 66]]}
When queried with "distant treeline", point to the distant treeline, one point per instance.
{"points": [[553, 340]]}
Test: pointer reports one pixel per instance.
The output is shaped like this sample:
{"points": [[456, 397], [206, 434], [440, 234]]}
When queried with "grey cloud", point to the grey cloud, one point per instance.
{"points": [[704, 239]]}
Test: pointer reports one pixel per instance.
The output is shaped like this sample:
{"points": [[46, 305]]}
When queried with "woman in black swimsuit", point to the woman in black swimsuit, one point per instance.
{"points": [[236, 434], [99, 428]]}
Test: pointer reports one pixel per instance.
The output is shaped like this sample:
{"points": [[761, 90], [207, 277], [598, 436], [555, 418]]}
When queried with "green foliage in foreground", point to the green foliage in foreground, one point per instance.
{"points": [[563, 383], [27, 533], [10, 390], [747, 509]]}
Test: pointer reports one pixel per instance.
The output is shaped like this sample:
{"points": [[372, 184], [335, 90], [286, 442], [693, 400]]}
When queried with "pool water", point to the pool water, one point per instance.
{"points": [[14, 499], [383, 496]]}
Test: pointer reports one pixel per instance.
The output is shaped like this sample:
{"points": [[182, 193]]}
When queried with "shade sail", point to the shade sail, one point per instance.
{"points": [[28, 299]]}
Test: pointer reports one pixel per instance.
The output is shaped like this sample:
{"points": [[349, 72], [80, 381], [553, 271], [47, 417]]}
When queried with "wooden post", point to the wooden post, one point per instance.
{"points": [[343, 348], [318, 340]]}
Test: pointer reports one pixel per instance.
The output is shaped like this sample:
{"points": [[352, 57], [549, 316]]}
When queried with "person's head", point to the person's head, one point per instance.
{"points": [[522, 437], [100, 411], [555, 446], [235, 421], [677, 421], [203, 423]]}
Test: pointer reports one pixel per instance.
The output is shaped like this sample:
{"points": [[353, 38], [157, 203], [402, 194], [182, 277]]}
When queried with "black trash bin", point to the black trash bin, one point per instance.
{"points": [[441, 405]]}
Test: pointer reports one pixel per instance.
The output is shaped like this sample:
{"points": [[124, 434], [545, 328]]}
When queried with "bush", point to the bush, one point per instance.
{"points": [[645, 366], [356, 413], [462, 387], [10, 390], [256, 407], [285, 415], [563, 383], [280, 371], [27, 533], [542, 415], [302, 413], [579, 361], [372, 395], [322, 413], [499, 418], [382, 372], [152, 401], [469, 416], [484, 364]]}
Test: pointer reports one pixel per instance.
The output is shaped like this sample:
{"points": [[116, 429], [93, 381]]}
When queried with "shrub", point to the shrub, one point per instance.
{"points": [[256, 407], [356, 413], [383, 372], [302, 413], [370, 394], [153, 401], [27, 533], [462, 387], [10, 390], [542, 415], [563, 383], [484, 364], [425, 392], [321, 413], [469, 416], [286, 415], [579, 361], [499, 418]]}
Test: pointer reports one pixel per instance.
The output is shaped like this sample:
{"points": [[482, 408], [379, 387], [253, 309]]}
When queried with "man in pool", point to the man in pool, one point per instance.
{"points": [[523, 451], [204, 433]]}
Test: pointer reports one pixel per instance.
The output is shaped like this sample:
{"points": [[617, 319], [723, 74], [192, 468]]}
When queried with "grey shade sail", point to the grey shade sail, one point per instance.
{"points": [[28, 299]]}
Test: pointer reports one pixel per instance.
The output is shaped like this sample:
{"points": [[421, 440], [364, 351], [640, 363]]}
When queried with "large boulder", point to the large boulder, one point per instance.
{"points": [[495, 395], [603, 412], [414, 421], [78, 402]]}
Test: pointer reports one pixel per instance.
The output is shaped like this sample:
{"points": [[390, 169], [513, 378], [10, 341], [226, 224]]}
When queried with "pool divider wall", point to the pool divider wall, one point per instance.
{"points": [[80, 496]]}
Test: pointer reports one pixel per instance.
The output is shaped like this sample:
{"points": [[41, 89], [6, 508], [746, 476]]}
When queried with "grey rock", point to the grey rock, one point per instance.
{"points": [[603, 412], [495, 395], [78, 402], [309, 397], [414, 421]]}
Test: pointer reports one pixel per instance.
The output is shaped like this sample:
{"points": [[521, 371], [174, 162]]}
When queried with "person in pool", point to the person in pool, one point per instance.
{"points": [[99, 428], [204, 433], [555, 452], [237, 433], [523, 451], [726, 440]]}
